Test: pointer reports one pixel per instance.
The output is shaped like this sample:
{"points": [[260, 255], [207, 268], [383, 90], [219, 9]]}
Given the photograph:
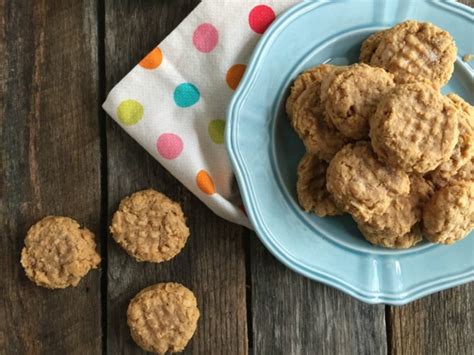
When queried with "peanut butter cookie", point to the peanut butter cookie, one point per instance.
{"points": [[305, 79], [163, 317], [58, 253], [370, 45], [414, 128], [449, 214], [396, 226], [313, 195], [352, 98], [361, 184], [309, 123], [149, 226], [415, 51], [464, 149]]}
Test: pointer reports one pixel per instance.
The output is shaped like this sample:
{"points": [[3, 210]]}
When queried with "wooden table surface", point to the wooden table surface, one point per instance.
{"points": [[62, 155]]}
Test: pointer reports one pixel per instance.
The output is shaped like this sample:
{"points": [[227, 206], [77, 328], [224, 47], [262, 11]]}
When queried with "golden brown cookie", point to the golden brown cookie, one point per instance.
{"points": [[313, 195], [310, 125], [149, 226], [58, 253], [449, 214], [404, 241], [305, 79], [397, 223], [361, 184], [163, 317], [464, 149], [414, 128], [327, 81], [370, 45], [466, 173], [352, 98], [415, 51]]}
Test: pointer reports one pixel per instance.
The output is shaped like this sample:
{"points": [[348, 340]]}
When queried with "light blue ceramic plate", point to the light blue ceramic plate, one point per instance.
{"points": [[265, 151]]}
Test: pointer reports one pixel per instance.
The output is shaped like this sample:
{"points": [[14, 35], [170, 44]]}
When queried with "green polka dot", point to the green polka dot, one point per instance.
{"points": [[130, 112], [216, 131]]}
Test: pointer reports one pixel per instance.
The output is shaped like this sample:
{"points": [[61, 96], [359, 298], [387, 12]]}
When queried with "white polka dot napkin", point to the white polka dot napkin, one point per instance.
{"points": [[174, 102]]}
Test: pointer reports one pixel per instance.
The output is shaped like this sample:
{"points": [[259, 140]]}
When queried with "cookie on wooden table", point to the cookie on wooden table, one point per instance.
{"points": [[163, 317], [415, 128], [149, 226], [362, 185], [58, 253], [352, 98], [449, 214], [415, 51], [313, 195]]}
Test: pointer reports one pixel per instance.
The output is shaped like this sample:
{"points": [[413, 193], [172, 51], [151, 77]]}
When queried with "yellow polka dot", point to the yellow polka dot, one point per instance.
{"points": [[130, 112]]}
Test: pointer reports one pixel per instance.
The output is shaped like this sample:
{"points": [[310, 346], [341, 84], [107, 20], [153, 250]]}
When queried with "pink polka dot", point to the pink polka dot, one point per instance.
{"points": [[169, 146], [205, 37], [260, 18]]}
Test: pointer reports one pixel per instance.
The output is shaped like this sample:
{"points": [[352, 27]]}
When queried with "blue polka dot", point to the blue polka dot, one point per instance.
{"points": [[186, 95]]}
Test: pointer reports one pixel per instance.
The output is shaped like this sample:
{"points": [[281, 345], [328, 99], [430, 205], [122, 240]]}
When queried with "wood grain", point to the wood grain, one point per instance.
{"points": [[442, 323], [50, 165], [293, 315], [212, 263]]}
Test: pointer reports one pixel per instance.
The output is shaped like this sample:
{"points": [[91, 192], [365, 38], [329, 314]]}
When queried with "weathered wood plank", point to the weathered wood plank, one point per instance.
{"points": [[293, 315], [50, 165], [212, 263], [439, 324]]}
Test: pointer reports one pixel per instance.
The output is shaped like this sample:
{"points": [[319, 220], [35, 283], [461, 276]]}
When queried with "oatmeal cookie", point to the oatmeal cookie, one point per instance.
{"points": [[327, 81], [58, 253], [449, 214], [304, 80], [464, 149], [149, 226], [414, 128], [309, 123], [361, 184], [313, 195], [466, 173], [415, 51], [163, 317], [370, 45], [353, 96]]}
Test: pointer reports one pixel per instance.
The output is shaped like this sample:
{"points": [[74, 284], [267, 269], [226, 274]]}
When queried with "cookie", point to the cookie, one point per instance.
{"points": [[361, 184], [58, 253], [352, 98], [397, 223], [465, 173], [327, 81], [310, 125], [449, 214], [163, 317], [305, 79], [414, 51], [414, 128], [370, 45], [311, 187], [464, 149], [149, 226], [404, 241]]}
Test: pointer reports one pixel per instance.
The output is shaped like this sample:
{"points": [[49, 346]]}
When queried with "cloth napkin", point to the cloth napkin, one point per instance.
{"points": [[174, 102]]}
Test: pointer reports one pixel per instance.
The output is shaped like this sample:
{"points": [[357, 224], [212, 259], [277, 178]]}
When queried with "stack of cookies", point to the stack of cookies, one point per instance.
{"points": [[383, 144]]}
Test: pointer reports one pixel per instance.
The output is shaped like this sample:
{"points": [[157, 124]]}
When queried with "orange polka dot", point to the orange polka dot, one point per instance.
{"points": [[205, 183], [234, 74], [152, 59]]}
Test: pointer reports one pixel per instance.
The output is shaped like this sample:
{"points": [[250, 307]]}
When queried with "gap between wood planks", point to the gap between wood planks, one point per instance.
{"points": [[104, 228]]}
